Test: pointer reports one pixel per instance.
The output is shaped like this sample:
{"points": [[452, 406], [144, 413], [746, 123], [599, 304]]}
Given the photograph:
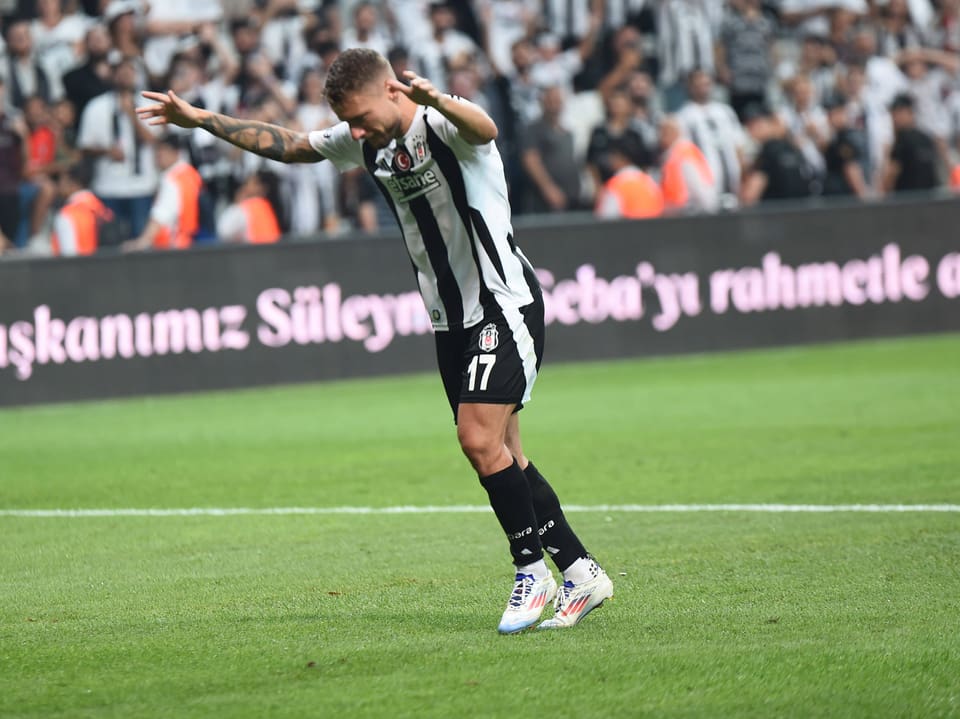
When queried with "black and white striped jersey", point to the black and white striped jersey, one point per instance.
{"points": [[714, 128], [450, 199], [685, 38]]}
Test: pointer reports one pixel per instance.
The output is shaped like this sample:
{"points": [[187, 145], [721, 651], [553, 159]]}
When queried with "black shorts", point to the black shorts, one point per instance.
{"points": [[495, 361]]}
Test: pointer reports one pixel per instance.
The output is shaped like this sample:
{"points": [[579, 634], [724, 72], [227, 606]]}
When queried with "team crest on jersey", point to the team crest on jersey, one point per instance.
{"points": [[401, 160], [489, 338], [420, 149]]}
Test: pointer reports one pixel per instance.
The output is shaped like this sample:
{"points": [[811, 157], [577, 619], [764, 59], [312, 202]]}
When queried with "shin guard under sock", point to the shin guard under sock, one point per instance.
{"points": [[556, 536], [510, 498]]}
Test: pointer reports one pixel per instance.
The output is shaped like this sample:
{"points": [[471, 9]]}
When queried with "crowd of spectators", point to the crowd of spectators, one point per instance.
{"points": [[627, 108]]}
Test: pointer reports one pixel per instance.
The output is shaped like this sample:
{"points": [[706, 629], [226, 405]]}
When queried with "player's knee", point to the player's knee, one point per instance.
{"points": [[480, 447], [473, 441]]}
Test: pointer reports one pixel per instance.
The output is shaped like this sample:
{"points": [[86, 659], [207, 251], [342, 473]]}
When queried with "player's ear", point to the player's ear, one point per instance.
{"points": [[392, 92]]}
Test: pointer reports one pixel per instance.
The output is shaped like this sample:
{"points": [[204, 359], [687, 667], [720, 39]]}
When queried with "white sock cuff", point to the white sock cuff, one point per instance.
{"points": [[538, 569], [579, 571]]}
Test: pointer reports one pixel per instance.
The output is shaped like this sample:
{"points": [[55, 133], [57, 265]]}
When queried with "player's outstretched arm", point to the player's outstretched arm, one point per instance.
{"points": [[270, 141], [474, 124]]}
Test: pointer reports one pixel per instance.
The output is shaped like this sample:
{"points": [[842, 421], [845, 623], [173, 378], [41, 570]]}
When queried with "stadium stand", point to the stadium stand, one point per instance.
{"points": [[616, 69]]}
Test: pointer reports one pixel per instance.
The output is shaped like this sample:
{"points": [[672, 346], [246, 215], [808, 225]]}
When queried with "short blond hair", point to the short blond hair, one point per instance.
{"points": [[353, 70]]}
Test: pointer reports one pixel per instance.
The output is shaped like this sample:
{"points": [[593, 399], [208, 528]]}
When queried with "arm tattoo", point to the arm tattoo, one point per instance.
{"points": [[270, 141]]}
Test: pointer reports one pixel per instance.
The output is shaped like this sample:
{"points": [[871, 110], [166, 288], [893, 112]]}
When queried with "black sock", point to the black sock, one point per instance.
{"points": [[510, 498], [556, 537]]}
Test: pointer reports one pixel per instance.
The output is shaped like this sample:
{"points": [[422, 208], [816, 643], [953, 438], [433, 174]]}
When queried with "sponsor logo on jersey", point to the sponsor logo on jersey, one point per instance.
{"points": [[489, 338], [406, 187]]}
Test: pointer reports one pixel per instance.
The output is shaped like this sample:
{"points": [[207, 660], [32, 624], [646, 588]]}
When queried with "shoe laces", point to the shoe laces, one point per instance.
{"points": [[520, 591], [563, 595]]}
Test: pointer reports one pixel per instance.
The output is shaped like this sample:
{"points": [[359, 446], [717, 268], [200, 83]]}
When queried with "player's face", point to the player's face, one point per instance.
{"points": [[373, 114]]}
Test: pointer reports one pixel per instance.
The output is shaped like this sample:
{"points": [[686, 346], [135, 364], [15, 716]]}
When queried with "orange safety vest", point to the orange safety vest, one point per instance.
{"points": [[955, 178], [262, 225], [84, 212], [637, 194], [675, 192], [188, 183]]}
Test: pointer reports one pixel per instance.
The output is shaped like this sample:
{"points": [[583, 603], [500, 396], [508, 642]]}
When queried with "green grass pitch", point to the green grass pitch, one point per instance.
{"points": [[716, 614]]}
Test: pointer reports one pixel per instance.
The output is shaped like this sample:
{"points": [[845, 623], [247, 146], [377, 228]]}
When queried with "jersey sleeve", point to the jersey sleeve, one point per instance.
{"points": [[599, 143], [95, 128], [66, 238], [608, 206], [232, 225], [849, 150], [899, 150], [572, 62], [337, 145], [449, 133], [166, 205], [737, 133], [766, 159]]}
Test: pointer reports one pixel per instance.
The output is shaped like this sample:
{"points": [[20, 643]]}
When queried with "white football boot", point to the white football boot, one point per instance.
{"points": [[575, 601], [526, 603]]}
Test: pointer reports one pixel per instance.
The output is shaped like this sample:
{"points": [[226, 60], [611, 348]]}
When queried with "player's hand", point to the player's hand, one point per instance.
{"points": [[168, 110], [555, 197], [420, 89]]}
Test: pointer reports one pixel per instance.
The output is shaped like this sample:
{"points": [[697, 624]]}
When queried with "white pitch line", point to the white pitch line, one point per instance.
{"points": [[474, 509]]}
